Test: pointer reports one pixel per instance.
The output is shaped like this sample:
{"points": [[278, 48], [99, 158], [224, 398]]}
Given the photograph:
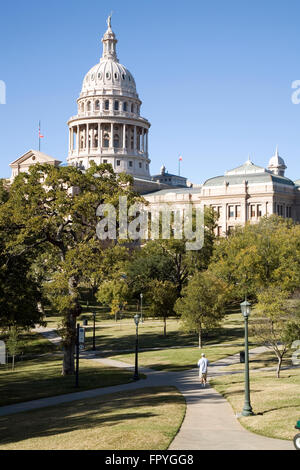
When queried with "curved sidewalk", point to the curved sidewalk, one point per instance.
{"points": [[209, 423]]}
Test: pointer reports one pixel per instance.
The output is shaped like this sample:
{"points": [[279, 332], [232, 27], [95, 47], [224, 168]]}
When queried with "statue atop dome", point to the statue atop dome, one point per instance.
{"points": [[108, 21]]}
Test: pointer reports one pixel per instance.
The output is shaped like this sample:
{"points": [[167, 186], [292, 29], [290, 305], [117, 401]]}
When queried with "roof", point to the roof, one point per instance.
{"points": [[176, 191], [41, 157], [255, 178]]}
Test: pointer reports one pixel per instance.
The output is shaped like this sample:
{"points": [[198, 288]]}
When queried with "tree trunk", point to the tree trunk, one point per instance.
{"points": [[70, 329], [13, 362], [165, 326], [200, 338], [278, 366]]}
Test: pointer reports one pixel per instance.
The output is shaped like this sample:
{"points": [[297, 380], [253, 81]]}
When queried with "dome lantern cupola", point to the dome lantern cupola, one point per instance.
{"points": [[277, 165], [109, 44]]}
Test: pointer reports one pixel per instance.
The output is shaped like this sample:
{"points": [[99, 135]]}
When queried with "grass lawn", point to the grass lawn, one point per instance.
{"points": [[148, 419], [33, 343], [42, 377], [275, 402], [174, 360], [266, 359]]}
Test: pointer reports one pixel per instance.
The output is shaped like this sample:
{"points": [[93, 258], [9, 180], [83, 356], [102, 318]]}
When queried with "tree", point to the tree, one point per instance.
{"points": [[276, 322], [13, 344], [114, 293], [259, 255], [162, 296], [202, 304], [54, 208]]}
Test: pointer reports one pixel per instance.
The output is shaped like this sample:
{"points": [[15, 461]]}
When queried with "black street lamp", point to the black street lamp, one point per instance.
{"points": [[246, 310], [136, 372], [94, 331], [141, 296]]}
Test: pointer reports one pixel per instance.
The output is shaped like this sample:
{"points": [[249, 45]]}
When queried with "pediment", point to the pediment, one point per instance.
{"points": [[32, 157]]}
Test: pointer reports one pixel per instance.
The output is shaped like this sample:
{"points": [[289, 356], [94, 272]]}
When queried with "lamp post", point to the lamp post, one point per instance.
{"points": [[141, 296], [94, 331], [246, 310], [136, 372]]}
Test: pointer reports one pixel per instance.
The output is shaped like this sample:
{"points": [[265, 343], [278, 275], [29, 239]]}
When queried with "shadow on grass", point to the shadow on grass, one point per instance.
{"points": [[105, 411]]}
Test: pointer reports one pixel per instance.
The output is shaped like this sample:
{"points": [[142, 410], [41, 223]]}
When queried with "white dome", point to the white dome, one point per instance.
{"points": [[110, 75], [276, 161]]}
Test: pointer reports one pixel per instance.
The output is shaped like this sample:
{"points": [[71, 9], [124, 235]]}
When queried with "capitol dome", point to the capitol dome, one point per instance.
{"points": [[108, 127]]}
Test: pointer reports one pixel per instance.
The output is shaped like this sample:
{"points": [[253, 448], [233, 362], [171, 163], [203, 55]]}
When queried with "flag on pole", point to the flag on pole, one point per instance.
{"points": [[40, 135], [179, 160]]}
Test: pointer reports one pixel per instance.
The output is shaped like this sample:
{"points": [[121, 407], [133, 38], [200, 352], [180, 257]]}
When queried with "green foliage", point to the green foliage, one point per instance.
{"points": [[51, 216], [202, 303], [259, 255], [276, 321], [162, 296]]}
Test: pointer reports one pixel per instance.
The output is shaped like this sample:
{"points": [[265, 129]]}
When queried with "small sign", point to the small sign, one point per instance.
{"points": [[81, 347], [2, 353], [81, 336]]}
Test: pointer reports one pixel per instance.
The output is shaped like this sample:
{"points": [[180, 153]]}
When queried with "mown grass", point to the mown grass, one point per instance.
{"points": [[42, 377], [275, 402], [147, 419]]}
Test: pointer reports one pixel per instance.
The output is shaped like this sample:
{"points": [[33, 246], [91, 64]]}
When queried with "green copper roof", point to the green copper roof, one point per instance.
{"points": [[251, 178]]}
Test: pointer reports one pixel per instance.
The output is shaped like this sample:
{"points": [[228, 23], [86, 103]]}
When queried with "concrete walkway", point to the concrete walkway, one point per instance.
{"points": [[209, 422]]}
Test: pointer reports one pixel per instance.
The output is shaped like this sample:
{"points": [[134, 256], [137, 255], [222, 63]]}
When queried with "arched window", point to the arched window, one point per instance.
{"points": [[132, 107], [97, 105], [106, 105], [88, 106], [125, 106], [82, 107], [106, 140], [116, 105], [116, 141]]}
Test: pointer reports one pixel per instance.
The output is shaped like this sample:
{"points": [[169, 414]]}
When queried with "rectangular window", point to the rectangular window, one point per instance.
{"points": [[106, 105], [104, 161], [252, 211], [116, 105], [118, 163], [238, 211], [259, 210], [140, 164], [219, 231], [230, 211], [130, 164]]}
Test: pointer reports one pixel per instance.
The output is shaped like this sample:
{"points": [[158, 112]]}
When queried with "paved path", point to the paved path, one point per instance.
{"points": [[209, 422]]}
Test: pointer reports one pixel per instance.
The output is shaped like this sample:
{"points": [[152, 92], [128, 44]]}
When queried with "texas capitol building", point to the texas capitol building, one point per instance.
{"points": [[109, 128]]}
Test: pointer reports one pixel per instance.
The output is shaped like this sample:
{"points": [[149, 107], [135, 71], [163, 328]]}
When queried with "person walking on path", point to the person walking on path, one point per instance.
{"points": [[202, 364]]}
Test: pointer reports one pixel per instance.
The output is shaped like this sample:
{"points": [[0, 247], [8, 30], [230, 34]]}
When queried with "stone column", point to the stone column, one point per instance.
{"points": [[77, 140], [99, 137], [143, 131], [111, 136], [134, 139], [124, 138], [147, 142], [86, 137]]}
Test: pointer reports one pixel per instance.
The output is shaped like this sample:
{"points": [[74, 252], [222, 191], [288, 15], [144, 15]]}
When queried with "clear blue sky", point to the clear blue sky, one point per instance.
{"points": [[214, 77]]}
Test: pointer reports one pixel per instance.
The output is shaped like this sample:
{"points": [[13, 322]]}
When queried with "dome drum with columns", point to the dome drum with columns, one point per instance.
{"points": [[108, 127]]}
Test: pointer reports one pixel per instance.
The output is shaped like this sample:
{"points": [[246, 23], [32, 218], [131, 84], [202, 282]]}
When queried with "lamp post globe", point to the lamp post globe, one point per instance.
{"points": [[246, 311], [141, 296]]}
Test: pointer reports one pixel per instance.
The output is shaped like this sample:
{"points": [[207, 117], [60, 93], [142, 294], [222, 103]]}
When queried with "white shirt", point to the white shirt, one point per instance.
{"points": [[202, 364]]}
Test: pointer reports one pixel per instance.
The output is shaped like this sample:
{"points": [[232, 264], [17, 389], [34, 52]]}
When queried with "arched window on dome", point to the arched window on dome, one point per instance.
{"points": [[132, 107], [82, 107], [97, 105], [125, 106], [88, 106], [106, 140], [116, 106], [106, 105], [116, 141]]}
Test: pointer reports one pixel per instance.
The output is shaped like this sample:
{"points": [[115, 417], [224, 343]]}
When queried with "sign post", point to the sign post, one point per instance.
{"points": [[80, 340]]}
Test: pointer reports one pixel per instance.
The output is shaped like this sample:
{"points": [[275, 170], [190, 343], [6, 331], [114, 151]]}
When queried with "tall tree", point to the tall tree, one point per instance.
{"points": [[202, 304], [161, 296], [276, 322], [55, 208]]}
